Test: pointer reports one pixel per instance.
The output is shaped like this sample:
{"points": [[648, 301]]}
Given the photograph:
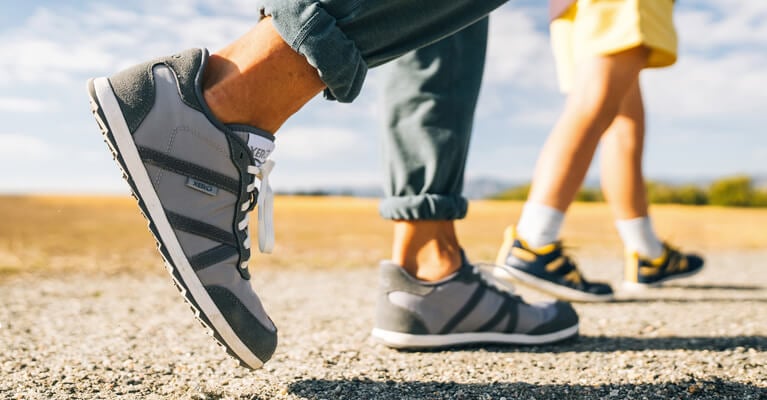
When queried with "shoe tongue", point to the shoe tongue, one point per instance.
{"points": [[259, 142]]}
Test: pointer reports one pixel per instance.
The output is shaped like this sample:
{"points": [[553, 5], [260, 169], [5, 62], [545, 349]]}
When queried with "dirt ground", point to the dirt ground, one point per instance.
{"points": [[87, 311]]}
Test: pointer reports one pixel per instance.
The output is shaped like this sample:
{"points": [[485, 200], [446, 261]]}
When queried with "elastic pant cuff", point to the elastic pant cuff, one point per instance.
{"points": [[312, 32], [424, 207]]}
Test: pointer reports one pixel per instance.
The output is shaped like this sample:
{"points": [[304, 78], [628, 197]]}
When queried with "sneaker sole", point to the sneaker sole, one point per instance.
{"points": [[558, 291], [637, 286], [116, 134], [399, 340]]}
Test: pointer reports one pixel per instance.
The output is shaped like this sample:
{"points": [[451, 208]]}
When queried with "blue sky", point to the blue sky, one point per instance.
{"points": [[707, 114]]}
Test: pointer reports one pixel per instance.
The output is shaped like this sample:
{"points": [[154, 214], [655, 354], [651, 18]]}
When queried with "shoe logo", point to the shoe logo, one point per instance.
{"points": [[261, 147], [260, 154], [201, 186]]}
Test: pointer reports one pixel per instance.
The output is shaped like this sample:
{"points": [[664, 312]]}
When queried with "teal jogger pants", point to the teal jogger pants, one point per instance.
{"points": [[431, 95], [343, 38], [430, 98]]}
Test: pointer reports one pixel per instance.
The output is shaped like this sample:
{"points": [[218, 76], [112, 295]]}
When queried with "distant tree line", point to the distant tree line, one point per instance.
{"points": [[734, 191]]}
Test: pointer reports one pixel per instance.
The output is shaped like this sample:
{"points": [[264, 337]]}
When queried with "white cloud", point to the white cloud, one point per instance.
{"points": [[543, 118], [730, 86], [14, 147], [720, 77], [518, 53], [61, 46], [317, 179], [722, 23], [305, 143], [22, 105], [507, 160], [722, 67]]}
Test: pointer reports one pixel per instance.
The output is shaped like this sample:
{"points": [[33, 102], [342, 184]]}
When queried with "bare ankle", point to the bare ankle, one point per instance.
{"points": [[427, 250], [259, 80]]}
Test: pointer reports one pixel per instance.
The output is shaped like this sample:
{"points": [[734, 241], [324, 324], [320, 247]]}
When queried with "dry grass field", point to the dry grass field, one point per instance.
{"points": [[108, 234]]}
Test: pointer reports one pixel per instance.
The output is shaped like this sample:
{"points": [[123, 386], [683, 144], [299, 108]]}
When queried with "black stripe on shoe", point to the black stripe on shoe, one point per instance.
{"points": [[499, 315], [200, 228], [185, 168], [512, 323], [503, 311], [212, 256], [467, 308]]}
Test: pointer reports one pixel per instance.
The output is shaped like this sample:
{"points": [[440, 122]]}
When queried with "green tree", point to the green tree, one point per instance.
{"points": [[515, 193], [759, 198], [589, 195], [691, 195], [659, 193], [734, 191]]}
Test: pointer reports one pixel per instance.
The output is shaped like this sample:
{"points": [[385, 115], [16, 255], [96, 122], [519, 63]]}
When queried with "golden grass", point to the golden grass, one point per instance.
{"points": [[108, 234]]}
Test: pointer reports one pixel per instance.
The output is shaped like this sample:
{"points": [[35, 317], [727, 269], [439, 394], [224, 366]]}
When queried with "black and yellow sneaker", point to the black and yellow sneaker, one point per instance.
{"points": [[546, 269], [642, 273]]}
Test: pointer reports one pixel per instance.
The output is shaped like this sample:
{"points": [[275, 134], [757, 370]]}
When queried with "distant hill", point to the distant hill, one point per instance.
{"points": [[474, 188], [483, 187]]}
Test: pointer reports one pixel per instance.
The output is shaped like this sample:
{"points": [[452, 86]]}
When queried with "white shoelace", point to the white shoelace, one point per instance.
{"points": [[265, 203]]}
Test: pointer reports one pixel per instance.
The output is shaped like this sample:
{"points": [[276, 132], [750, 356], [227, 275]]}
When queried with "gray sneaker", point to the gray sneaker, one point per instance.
{"points": [[464, 308], [194, 179]]}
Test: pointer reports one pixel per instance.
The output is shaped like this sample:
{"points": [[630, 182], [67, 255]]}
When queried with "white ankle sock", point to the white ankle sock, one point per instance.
{"points": [[539, 225], [638, 235]]}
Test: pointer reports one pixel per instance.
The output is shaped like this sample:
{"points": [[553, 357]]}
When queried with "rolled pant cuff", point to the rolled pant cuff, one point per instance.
{"points": [[424, 207], [312, 32]]}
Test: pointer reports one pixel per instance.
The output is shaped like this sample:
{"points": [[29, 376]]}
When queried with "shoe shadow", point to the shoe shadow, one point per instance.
{"points": [[694, 343], [315, 389], [714, 287], [679, 300], [606, 344]]}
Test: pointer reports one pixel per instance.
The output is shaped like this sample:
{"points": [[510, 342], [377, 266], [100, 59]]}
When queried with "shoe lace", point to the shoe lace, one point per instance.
{"points": [[265, 203]]}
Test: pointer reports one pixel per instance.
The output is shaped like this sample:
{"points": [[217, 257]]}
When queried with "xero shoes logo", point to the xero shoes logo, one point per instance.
{"points": [[201, 186]]}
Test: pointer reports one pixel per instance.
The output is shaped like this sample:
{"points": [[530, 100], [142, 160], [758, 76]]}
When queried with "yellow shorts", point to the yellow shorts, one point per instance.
{"points": [[603, 27]]}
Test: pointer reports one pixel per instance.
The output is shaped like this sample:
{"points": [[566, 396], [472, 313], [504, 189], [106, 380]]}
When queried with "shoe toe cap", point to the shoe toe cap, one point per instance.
{"points": [[259, 339], [694, 262], [600, 289], [563, 317]]}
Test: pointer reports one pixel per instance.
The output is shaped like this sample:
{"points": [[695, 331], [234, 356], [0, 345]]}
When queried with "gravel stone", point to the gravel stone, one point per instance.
{"points": [[91, 336]]}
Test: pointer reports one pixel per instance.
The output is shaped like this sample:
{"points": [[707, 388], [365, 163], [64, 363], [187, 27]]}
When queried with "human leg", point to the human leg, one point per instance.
{"points": [[597, 80], [193, 166], [601, 85], [621, 159], [600, 46], [621, 174], [635, 34], [447, 301], [649, 261], [430, 101], [535, 256], [342, 38], [259, 62]]}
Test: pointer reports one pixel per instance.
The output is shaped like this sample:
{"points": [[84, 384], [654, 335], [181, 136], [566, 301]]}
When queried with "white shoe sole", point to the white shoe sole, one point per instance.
{"points": [[399, 340], [564, 293], [125, 148], [636, 286]]}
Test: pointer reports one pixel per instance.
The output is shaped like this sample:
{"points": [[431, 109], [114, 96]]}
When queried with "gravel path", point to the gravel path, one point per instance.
{"points": [[131, 336]]}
